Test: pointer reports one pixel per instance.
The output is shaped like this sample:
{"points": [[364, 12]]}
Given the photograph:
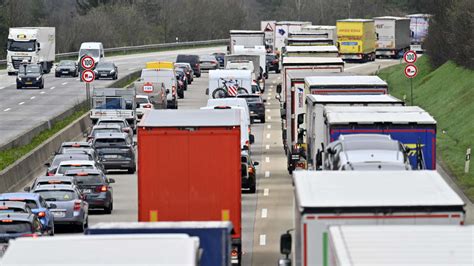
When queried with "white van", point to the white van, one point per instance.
{"points": [[220, 80], [168, 78], [92, 49]]}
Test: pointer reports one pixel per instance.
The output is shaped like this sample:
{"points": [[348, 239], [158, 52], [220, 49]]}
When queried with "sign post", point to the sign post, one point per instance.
{"points": [[468, 161], [410, 70], [87, 75]]}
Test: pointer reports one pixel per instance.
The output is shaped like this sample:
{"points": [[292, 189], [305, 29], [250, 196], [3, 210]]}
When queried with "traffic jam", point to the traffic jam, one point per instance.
{"points": [[362, 162]]}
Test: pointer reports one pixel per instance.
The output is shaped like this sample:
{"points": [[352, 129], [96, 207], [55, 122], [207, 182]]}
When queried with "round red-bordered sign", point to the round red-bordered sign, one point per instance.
{"points": [[148, 87], [87, 62], [411, 71], [410, 57], [88, 75]]}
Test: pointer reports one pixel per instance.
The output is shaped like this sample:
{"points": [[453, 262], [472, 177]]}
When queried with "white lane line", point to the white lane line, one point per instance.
{"points": [[270, 90], [64, 83], [269, 117], [279, 77], [52, 88], [32, 97], [267, 173], [263, 240], [267, 147], [264, 213], [268, 135], [269, 98], [21, 103], [1, 88], [268, 110], [77, 79], [267, 159], [42, 92], [266, 191], [269, 94], [132, 68], [6, 110], [269, 126]]}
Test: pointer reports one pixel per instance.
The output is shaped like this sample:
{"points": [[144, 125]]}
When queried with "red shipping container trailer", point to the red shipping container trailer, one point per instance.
{"points": [[189, 168]]}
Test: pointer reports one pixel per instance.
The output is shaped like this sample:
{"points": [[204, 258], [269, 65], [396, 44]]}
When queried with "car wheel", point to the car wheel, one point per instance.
{"points": [[131, 170], [51, 231], [108, 210], [57, 75], [277, 71], [253, 188], [115, 77], [41, 86], [198, 75], [18, 86]]}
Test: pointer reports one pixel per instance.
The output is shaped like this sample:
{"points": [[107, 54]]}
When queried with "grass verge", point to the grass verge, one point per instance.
{"points": [[447, 93], [9, 156]]}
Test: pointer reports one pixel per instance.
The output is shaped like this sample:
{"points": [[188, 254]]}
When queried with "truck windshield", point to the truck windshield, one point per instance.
{"points": [[90, 52], [15, 46]]}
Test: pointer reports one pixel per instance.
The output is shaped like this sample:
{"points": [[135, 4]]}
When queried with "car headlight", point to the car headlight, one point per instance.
{"points": [[112, 71], [38, 78]]}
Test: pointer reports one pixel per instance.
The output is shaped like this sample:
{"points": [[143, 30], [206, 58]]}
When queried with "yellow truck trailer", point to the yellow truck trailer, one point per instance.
{"points": [[160, 65], [356, 39]]}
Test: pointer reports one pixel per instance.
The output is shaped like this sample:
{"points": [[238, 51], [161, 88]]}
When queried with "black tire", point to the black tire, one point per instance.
{"points": [[108, 210], [57, 75], [131, 170], [18, 87], [220, 92], [277, 71], [41, 86], [51, 231], [241, 90], [115, 77], [262, 120], [253, 188], [198, 75]]}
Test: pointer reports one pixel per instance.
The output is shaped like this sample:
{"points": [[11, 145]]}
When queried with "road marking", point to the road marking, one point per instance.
{"points": [[6, 110], [269, 94], [52, 88], [270, 90], [271, 86], [21, 103], [269, 98], [274, 82], [268, 110], [267, 173], [263, 240], [1, 88], [32, 97], [267, 159], [266, 191], [42, 92], [267, 147], [64, 83], [77, 79], [132, 68], [279, 77], [269, 117], [264, 213], [268, 135], [269, 126]]}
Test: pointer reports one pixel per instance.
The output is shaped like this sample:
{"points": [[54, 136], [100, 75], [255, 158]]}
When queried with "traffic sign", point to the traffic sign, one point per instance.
{"points": [[282, 32], [410, 57], [87, 62], [268, 27], [411, 71], [148, 87], [87, 75]]}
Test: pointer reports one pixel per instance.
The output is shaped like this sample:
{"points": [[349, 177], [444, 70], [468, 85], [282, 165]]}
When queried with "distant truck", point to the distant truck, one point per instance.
{"points": [[329, 31], [356, 39], [429, 245], [114, 102], [410, 125], [188, 185], [35, 45], [246, 38], [257, 50], [282, 28], [214, 237], [92, 49], [331, 198], [419, 24], [139, 249], [163, 72], [155, 91], [393, 36]]}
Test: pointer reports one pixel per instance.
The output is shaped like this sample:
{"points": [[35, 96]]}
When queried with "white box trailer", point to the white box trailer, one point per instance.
{"points": [[328, 198], [392, 36], [256, 50], [282, 28], [315, 104], [313, 51], [325, 29], [351, 245], [223, 78], [126, 249], [419, 24], [246, 38], [307, 41]]}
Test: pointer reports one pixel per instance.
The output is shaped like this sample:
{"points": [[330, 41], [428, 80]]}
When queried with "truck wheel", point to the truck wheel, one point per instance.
{"points": [[277, 71]]}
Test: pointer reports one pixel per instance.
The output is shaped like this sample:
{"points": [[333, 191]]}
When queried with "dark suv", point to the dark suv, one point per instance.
{"points": [[30, 75], [193, 60], [115, 151], [256, 106]]}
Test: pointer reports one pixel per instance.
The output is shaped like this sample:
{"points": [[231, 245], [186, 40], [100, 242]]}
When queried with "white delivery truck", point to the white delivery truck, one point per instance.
{"points": [[228, 83], [419, 24], [313, 51], [154, 91], [256, 50], [282, 28], [392, 36], [114, 102], [351, 245], [330, 31], [35, 45], [246, 38], [329, 198], [168, 78], [315, 104], [92, 49], [125, 249]]}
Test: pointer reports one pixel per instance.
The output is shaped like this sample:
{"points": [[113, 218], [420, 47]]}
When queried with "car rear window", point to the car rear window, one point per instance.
{"points": [[140, 100], [57, 195], [252, 99], [14, 227], [112, 122], [30, 203], [12, 210], [110, 141], [105, 130], [63, 168], [89, 179], [49, 182], [58, 159]]}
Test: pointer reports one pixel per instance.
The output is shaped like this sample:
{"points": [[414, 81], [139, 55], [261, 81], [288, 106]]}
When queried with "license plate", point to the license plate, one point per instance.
{"points": [[86, 191], [65, 72], [103, 75], [111, 156], [29, 82], [59, 214]]}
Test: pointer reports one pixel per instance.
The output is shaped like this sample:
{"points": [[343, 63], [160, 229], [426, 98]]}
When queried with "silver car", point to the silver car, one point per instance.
{"points": [[71, 208], [208, 62]]}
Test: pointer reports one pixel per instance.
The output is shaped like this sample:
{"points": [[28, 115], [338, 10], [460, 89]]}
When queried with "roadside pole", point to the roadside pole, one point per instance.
{"points": [[87, 75], [468, 160], [410, 70]]}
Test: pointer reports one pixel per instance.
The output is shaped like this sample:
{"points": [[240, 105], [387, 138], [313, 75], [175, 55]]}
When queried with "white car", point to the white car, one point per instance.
{"points": [[143, 105], [77, 164]]}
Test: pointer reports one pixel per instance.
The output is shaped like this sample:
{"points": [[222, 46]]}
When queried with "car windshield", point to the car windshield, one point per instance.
{"points": [[15, 227], [29, 69], [67, 63], [105, 65], [12, 209], [89, 179], [57, 195], [140, 100], [63, 168], [16, 46], [90, 52], [110, 141]]}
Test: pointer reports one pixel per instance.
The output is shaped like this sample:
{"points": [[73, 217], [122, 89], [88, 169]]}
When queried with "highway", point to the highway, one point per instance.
{"points": [[265, 215]]}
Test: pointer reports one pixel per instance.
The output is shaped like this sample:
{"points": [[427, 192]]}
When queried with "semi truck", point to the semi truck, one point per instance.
{"points": [[419, 24], [189, 168], [411, 125], [329, 198], [393, 36], [139, 249], [114, 102], [214, 237], [356, 39], [35, 45], [351, 245], [246, 38], [329, 31], [282, 28], [315, 104]]}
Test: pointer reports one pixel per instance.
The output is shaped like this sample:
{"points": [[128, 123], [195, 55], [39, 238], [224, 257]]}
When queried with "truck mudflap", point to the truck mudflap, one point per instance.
{"points": [[236, 252]]}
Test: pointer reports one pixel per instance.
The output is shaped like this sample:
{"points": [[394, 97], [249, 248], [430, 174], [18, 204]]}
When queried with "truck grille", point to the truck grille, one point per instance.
{"points": [[16, 61]]}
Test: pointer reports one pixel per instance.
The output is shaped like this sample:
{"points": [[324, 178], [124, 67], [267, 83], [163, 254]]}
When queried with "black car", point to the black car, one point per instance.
{"points": [[193, 60], [30, 75], [95, 187], [182, 82], [186, 67], [220, 58], [115, 151], [106, 70], [68, 68], [249, 178], [256, 106], [13, 225], [273, 64]]}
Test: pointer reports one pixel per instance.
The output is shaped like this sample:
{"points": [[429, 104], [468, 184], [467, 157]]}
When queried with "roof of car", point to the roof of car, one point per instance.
{"points": [[110, 135], [82, 150], [71, 156], [74, 172], [76, 143], [55, 187], [19, 196], [54, 177], [173, 118], [113, 125]]}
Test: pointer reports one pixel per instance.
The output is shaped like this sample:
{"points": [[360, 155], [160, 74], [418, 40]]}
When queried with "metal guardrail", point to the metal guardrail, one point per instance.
{"points": [[145, 47]]}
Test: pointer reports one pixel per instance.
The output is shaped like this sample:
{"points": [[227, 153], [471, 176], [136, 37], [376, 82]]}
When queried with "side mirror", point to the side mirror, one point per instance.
{"points": [[27, 189], [47, 164], [277, 97], [300, 119], [167, 91], [111, 181], [207, 91], [285, 244], [52, 206], [255, 163], [251, 139], [134, 143], [279, 88], [264, 100]]}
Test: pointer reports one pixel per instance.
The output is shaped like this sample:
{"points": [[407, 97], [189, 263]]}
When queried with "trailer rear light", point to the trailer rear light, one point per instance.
{"points": [[30, 235], [173, 89], [234, 253], [250, 170], [77, 205], [102, 188], [247, 142], [41, 214], [50, 173]]}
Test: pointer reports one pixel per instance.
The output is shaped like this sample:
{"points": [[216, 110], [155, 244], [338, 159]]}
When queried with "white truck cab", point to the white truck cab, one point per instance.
{"points": [[92, 49]]}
